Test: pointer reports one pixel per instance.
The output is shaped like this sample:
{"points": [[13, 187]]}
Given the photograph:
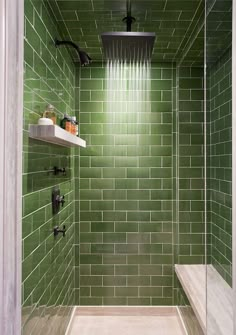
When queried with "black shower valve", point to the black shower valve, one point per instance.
{"points": [[56, 231], [58, 170], [60, 199]]}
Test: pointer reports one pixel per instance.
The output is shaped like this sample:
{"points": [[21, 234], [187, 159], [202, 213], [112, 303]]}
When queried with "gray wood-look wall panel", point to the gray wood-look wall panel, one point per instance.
{"points": [[234, 156], [11, 119]]}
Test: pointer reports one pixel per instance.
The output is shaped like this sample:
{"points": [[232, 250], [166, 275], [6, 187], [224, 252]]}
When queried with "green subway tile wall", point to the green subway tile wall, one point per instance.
{"points": [[48, 263], [191, 217], [126, 195], [220, 130], [134, 196]]}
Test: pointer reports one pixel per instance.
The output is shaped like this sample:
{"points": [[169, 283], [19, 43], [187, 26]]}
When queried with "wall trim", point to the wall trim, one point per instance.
{"points": [[234, 156], [11, 106]]}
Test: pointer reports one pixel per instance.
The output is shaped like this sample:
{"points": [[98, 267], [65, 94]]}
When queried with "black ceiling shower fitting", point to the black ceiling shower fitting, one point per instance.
{"points": [[129, 19], [83, 56], [128, 46]]}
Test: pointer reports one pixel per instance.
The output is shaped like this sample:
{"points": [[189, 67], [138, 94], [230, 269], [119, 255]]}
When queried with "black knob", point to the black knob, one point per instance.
{"points": [[57, 201], [56, 231], [62, 200], [58, 170]]}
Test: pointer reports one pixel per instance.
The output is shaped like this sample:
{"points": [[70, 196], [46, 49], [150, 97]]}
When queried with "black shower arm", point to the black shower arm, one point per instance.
{"points": [[128, 6], [129, 19], [71, 44]]}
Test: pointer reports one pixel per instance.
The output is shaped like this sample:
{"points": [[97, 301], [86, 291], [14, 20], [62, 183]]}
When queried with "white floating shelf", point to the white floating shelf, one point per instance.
{"points": [[55, 134]]}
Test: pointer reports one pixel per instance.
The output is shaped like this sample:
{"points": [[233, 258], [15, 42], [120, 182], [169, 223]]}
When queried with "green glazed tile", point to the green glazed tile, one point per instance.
{"points": [[126, 291]]}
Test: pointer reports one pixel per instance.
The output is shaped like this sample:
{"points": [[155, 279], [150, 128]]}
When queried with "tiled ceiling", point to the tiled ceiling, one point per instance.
{"points": [[218, 35], [218, 29], [173, 21], [194, 52]]}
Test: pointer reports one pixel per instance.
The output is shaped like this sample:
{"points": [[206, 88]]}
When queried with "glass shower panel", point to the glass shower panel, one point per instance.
{"points": [[218, 117], [190, 265]]}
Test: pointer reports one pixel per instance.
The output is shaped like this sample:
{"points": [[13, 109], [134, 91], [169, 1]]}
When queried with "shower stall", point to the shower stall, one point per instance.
{"points": [[147, 215]]}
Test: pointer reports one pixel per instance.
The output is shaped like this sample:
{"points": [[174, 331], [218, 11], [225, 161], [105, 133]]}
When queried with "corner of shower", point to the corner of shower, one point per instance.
{"points": [[207, 269]]}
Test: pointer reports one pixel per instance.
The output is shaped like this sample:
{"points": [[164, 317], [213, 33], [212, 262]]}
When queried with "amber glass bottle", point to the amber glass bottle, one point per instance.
{"points": [[66, 123]]}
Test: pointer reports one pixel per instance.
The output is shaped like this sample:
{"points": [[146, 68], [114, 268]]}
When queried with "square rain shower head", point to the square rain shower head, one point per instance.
{"points": [[128, 46]]}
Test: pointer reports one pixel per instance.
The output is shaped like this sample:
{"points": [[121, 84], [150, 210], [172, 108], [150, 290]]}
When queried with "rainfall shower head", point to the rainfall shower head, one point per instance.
{"points": [[128, 46], [84, 58]]}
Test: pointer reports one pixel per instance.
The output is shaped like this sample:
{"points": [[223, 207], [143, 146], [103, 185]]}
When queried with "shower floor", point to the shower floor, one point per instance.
{"points": [[126, 321]]}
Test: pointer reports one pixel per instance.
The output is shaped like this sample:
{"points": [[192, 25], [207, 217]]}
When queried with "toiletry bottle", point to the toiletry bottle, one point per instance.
{"points": [[66, 123], [50, 113], [75, 126], [69, 125], [63, 122]]}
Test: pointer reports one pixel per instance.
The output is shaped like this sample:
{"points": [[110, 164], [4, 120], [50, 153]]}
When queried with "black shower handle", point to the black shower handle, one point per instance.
{"points": [[56, 230]]}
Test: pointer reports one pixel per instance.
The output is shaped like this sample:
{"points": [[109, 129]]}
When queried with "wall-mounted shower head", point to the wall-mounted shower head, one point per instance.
{"points": [[83, 56]]}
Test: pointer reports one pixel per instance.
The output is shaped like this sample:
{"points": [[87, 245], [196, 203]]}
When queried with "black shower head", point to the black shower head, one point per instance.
{"points": [[83, 56], [128, 46]]}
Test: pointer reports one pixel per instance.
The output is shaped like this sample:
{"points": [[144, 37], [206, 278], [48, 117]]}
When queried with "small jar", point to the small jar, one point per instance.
{"points": [[66, 123]]}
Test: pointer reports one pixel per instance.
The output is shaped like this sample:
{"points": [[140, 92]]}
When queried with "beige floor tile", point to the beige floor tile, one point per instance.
{"points": [[126, 325]]}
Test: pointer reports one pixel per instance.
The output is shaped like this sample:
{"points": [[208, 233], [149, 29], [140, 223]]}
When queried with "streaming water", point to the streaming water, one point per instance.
{"points": [[127, 95]]}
